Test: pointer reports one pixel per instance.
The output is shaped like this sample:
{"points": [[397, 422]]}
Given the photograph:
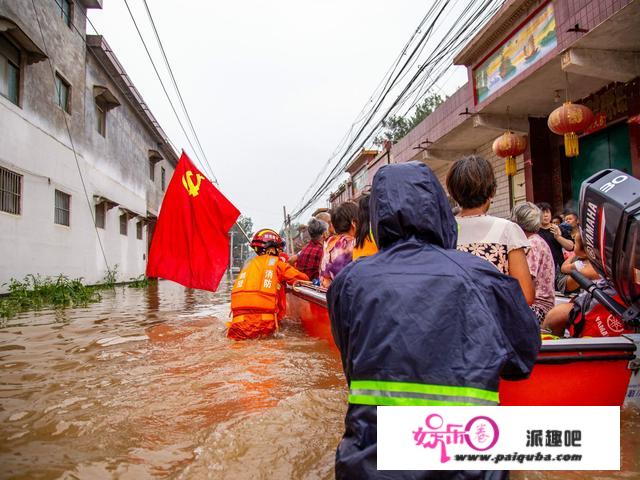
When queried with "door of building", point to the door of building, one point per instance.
{"points": [[605, 149]]}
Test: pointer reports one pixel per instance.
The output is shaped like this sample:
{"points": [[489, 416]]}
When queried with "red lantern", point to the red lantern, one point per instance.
{"points": [[509, 146], [567, 120]]}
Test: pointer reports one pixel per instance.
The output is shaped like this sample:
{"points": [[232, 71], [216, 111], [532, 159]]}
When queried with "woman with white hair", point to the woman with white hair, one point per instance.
{"points": [[539, 258]]}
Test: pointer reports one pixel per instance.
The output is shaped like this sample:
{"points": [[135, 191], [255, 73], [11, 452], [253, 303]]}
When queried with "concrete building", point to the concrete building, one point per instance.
{"points": [[520, 62], [83, 162]]}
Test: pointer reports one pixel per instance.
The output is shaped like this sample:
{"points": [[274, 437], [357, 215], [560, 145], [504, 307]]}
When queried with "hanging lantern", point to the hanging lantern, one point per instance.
{"points": [[509, 146], [567, 120]]}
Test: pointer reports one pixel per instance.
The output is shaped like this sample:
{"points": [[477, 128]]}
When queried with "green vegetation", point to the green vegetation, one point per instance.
{"points": [[110, 278], [398, 126], [141, 281], [35, 293]]}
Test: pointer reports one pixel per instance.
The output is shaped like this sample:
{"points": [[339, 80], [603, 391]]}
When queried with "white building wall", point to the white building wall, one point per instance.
{"points": [[35, 144]]}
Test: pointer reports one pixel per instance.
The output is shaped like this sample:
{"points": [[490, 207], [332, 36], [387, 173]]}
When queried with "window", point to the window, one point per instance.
{"points": [[63, 94], [63, 8], [62, 208], [139, 230], [101, 215], [124, 223], [359, 181], [101, 120], [10, 191], [9, 70], [152, 170], [163, 179]]}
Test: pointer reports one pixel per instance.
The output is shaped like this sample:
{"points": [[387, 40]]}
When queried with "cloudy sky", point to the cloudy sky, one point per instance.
{"points": [[271, 87]]}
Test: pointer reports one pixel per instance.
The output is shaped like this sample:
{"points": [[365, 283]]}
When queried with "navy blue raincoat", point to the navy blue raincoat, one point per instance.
{"points": [[421, 312]]}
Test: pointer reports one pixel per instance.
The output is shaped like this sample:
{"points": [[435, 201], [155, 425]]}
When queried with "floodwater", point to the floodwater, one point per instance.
{"points": [[144, 384]]}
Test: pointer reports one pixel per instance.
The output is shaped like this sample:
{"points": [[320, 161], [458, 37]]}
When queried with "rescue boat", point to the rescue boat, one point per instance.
{"points": [[576, 371]]}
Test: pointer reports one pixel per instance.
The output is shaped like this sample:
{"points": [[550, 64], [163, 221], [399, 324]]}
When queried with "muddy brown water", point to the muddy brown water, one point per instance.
{"points": [[144, 384]]}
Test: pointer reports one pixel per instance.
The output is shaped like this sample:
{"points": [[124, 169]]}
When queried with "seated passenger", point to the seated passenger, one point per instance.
{"points": [[308, 260], [539, 258], [365, 245], [256, 298], [338, 249], [586, 317], [471, 182], [578, 262]]}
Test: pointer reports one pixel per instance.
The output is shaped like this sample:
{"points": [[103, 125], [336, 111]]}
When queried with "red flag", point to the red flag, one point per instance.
{"points": [[190, 244]]}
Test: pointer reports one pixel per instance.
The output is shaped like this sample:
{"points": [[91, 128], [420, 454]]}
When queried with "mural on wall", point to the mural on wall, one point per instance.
{"points": [[526, 46]]}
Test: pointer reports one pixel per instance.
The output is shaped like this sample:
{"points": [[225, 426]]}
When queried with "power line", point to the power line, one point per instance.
{"points": [[442, 52], [332, 175], [332, 178], [164, 89], [175, 86], [380, 100], [361, 116]]}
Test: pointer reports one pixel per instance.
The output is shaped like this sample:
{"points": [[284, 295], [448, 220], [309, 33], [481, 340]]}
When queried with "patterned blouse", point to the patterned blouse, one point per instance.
{"points": [[543, 271], [491, 238], [337, 254]]}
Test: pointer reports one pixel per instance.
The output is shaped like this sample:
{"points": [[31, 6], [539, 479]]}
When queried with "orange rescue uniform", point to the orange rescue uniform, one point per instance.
{"points": [[255, 296]]}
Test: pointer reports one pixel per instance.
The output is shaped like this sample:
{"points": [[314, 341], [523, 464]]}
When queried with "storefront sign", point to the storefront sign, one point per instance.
{"points": [[526, 45], [613, 102]]}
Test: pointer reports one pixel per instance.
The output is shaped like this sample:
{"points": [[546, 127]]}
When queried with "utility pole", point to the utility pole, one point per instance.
{"points": [[290, 242], [287, 228], [231, 253]]}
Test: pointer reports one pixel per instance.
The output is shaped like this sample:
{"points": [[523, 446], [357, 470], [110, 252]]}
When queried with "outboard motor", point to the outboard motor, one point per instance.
{"points": [[610, 225]]}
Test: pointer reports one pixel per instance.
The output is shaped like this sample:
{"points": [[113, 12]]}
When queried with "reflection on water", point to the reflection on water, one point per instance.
{"points": [[145, 384]]}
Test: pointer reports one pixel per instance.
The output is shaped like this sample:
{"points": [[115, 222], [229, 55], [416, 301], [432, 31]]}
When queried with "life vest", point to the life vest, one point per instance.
{"points": [[259, 286], [589, 318], [256, 287]]}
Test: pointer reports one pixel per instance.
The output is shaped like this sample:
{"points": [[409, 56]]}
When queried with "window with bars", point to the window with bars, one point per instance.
{"points": [[101, 215], [139, 226], [62, 213], [124, 224], [64, 10], [164, 178], [9, 70], [10, 191], [63, 94]]}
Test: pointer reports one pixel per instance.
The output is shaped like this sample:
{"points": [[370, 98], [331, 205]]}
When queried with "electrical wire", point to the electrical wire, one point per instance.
{"points": [[443, 52], [164, 89], [384, 82], [381, 100], [175, 86]]}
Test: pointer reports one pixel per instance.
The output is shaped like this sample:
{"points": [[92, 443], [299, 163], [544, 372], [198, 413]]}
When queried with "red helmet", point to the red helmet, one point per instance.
{"points": [[267, 238]]}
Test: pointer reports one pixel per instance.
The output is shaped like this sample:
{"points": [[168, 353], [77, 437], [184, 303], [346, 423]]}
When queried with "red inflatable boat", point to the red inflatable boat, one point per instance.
{"points": [[582, 371]]}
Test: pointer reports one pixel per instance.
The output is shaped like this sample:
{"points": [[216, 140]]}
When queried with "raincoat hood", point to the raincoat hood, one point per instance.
{"points": [[407, 201]]}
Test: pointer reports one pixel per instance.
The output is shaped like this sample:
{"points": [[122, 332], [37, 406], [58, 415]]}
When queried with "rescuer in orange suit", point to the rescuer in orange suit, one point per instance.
{"points": [[256, 296]]}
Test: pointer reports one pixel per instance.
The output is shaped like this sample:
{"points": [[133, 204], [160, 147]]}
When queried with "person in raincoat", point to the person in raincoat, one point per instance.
{"points": [[257, 296], [421, 323]]}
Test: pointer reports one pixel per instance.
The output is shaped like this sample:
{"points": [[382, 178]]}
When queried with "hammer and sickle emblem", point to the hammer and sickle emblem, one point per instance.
{"points": [[192, 188]]}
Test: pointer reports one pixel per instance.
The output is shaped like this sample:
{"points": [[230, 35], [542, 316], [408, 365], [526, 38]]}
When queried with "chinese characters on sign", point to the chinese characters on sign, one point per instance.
{"points": [[554, 438]]}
